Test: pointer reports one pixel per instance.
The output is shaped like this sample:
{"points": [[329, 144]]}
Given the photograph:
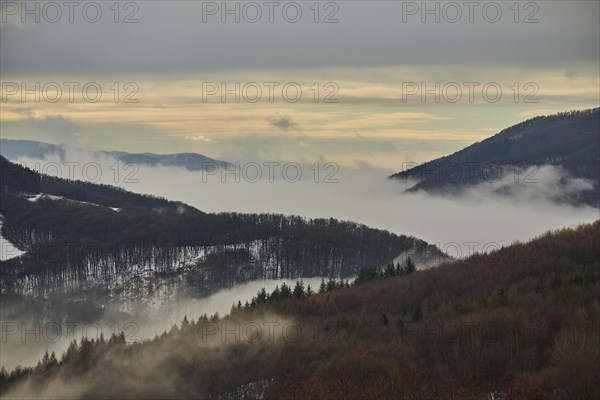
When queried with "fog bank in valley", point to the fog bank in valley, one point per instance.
{"points": [[480, 218], [24, 341]]}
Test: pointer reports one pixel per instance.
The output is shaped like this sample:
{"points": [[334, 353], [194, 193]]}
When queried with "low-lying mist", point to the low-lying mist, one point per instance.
{"points": [[25, 340], [189, 362], [481, 218]]}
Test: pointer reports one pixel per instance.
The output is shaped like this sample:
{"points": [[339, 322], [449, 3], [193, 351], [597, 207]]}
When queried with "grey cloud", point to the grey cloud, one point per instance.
{"points": [[283, 123], [25, 111], [59, 125], [171, 37], [54, 128]]}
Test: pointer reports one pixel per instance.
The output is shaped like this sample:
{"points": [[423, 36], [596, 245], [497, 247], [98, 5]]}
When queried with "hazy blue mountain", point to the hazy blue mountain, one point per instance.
{"points": [[13, 149]]}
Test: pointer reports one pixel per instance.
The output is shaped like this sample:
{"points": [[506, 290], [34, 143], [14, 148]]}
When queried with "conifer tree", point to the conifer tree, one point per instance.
{"points": [[309, 291], [299, 290], [322, 287], [410, 266]]}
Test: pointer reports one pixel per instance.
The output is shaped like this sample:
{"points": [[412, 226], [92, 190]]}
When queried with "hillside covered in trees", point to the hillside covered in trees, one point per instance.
{"points": [[88, 241], [569, 141], [522, 322]]}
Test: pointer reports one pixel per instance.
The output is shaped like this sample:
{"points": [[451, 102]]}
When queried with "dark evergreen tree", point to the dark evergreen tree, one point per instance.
{"points": [[261, 296], [399, 269], [299, 289], [286, 292], [410, 266], [331, 285], [389, 271], [322, 287], [275, 294], [309, 291], [185, 323], [366, 275]]}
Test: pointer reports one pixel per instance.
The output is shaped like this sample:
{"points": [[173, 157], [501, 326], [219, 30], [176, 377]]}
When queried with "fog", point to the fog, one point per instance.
{"points": [[154, 369], [24, 341], [519, 207], [220, 302]]}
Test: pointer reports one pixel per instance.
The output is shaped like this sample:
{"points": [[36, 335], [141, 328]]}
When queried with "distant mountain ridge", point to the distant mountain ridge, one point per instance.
{"points": [[13, 149], [569, 140]]}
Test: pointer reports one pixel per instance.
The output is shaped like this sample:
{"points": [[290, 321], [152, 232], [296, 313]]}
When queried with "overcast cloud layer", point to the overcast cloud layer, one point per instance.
{"points": [[172, 37]]}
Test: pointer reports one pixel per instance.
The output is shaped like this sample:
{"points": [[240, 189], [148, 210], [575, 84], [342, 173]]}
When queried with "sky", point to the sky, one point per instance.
{"points": [[376, 83]]}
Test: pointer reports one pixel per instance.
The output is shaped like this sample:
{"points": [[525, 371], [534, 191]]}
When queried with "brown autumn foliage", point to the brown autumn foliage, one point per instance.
{"points": [[520, 323]]}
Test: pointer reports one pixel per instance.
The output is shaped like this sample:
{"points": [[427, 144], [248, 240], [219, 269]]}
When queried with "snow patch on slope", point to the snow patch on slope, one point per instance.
{"points": [[42, 196], [7, 249]]}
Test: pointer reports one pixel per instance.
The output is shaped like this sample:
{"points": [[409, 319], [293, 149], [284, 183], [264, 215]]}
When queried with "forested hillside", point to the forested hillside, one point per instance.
{"points": [[522, 322], [98, 241], [569, 140], [16, 179]]}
